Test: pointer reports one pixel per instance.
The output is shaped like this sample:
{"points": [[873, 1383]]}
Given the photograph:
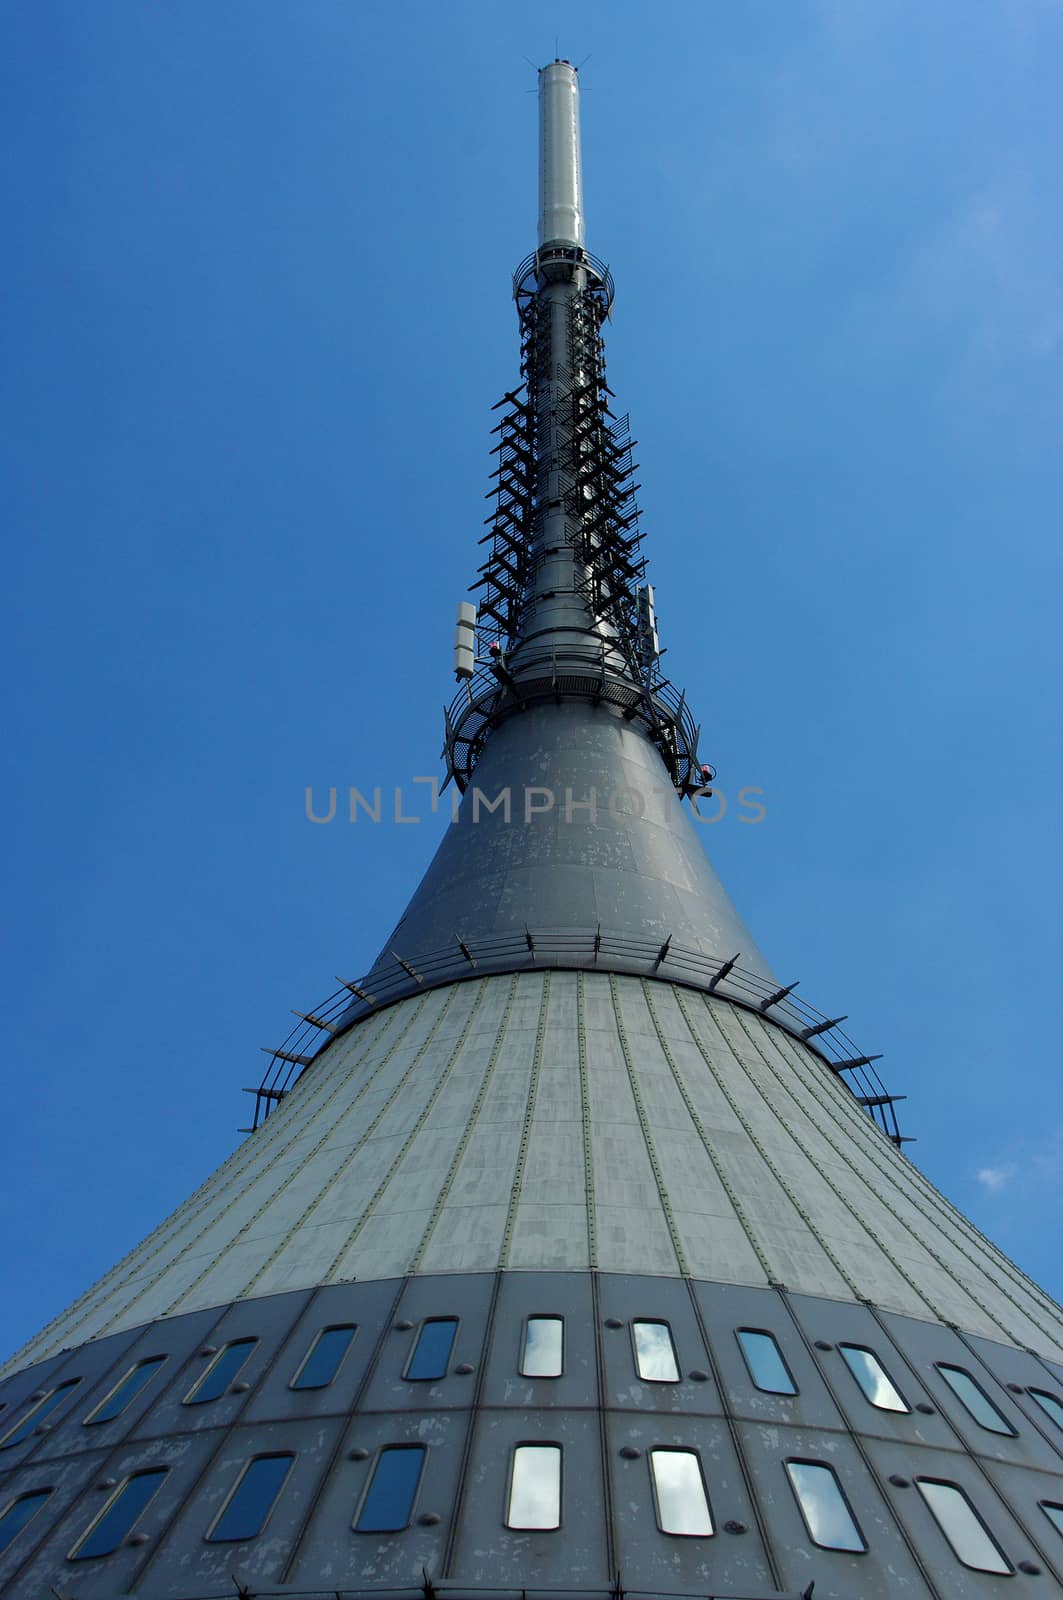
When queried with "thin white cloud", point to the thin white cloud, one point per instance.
{"points": [[1030, 1169], [993, 1179]]}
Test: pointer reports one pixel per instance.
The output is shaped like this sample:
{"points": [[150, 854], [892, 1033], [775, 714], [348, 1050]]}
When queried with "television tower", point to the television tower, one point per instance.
{"points": [[571, 1252]]}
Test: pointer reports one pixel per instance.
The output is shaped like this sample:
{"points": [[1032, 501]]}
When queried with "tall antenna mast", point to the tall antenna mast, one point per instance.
{"points": [[560, 163], [562, 595]]}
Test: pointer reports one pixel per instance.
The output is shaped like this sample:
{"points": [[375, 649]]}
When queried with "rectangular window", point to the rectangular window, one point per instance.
{"points": [[245, 1512], [1054, 1513], [654, 1352], [535, 1487], [221, 1372], [1050, 1405], [431, 1353], [765, 1362], [824, 1507], [323, 1359], [19, 1513], [124, 1391], [119, 1514], [679, 1491], [971, 1541], [37, 1413], [543, 1353], [872, 1377], [388, 1503], [974, 1398]]}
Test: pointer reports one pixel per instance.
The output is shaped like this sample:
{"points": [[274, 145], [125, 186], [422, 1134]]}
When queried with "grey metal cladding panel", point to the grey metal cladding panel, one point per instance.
{"points": [[727, 1562], [487, 1552], [1054, 1368], [268, 1321], [542, 1294], [66, 1479], [29, 1448], [186, 1562], [1023, 1490], [332, 1555], [177, 1338], [886, 1571], [638, 1299], [841, 1322], [89, 1363], [33, 1445], [725, 1308], [1010, 1366], [107, 1576], [928, 1342], [955, 1580], [467, 1297], [367, 1305], [496, 877], [15, 1389]]}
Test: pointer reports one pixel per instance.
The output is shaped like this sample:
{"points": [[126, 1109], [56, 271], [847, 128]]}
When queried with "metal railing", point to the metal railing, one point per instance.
{"points": [[585, 950], [536, 677], [554, 257]]}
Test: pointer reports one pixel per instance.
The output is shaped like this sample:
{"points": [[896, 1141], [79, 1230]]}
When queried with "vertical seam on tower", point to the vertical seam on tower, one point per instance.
{"points": [[699, 1125], [382, 1186], [865, 1457], [763, 1153], [898, 1349], [1027, 1416], [936, 1224], [763, 1523], [227, 1433], [974, 1235], [651, 1149], [529, 1116], [967, 1229], [40, 1440], [870, 1153], [278, 1129], [282, 1123], [97, 1293], [351, 1155], [305, 1113], [343, 1435], [463, 1143], [585, 1103], [470, 1430], [300, 1167], [603, 1431], [920, 1293], [846, 1161], [1042, 1361], [858, 1124]]}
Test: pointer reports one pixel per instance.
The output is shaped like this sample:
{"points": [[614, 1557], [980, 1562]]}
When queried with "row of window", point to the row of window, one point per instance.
{"points": [[320, 1365], [769, 1371], [542, 1356], [533, 1503], [682, 1504], [655, 1361]]}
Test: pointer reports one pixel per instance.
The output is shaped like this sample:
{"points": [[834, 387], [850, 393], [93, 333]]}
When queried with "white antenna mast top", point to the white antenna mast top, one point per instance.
{"points": [[560, 167]]}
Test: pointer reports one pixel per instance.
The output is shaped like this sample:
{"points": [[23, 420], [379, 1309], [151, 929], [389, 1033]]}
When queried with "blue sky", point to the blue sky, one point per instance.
{"points": [[255, 313]]}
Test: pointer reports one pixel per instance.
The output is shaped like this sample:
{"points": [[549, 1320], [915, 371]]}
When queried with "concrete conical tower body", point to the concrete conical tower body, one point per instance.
{"points": [[575, 1255]]}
